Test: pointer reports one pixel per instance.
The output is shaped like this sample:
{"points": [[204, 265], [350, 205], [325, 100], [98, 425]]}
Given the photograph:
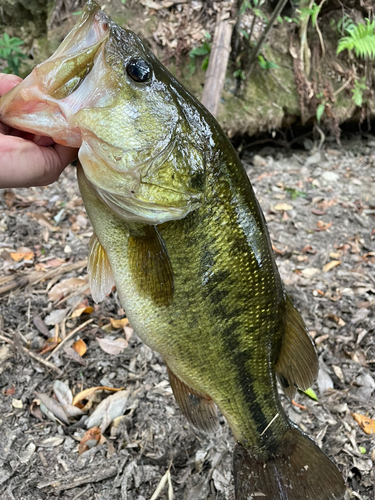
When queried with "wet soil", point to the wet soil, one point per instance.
{"points": [[320, 208]]}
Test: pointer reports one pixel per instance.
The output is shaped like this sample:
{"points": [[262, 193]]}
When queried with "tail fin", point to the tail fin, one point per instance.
{"points": [[299, 471]]}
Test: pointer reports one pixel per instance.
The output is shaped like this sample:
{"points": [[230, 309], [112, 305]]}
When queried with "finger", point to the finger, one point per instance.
{"points": [[25, 164], [7, 82], [41, 140]]}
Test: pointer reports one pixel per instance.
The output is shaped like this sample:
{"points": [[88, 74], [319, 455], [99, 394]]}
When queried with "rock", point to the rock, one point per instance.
{"points": [[330, 176], [259, 161], [313, 159]]}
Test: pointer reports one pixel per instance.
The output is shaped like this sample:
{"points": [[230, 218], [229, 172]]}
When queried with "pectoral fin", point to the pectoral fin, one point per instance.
{"points": [[99, 270], [199, 409], [297, 365], [150, 265]]}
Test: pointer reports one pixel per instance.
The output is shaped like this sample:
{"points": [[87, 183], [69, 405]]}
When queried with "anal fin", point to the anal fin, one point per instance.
{"points": [[199, 409], [99, 270], [297, 365]]}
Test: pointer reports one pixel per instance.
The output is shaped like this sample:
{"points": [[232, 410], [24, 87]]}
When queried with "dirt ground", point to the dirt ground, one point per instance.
{"points": [[320, 207]]}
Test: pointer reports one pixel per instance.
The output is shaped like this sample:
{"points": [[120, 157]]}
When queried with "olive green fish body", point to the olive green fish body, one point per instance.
{"points": [[222, 331]]}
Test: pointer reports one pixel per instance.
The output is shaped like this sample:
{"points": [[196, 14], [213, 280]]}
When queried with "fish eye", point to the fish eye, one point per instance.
{"points": [[138, 70]]}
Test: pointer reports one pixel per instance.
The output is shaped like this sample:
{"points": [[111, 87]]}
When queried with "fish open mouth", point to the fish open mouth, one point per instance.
{"points": [[46, 100]]}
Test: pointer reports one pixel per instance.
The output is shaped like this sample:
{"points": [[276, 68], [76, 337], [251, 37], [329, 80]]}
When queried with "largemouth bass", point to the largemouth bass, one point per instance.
{"points": [[179, 230]]}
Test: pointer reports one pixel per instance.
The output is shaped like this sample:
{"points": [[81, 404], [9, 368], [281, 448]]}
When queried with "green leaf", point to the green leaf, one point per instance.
{"points": [[199, 51], [320, 110], [311, 394], [205, 63], [77, 13], [362, 449], [245, 34]]}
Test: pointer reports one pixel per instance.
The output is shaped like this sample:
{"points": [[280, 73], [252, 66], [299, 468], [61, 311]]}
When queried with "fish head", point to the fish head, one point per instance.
{"points": [[104, 92]]}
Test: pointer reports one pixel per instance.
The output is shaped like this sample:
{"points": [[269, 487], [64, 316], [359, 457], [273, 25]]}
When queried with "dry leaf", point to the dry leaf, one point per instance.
{"points": [[119, 323], [89, 440], [331, 265], [80, 347], [112, 346], [53, 408], [110, 408], [87, 393], [283, 206], [365, 423], [82, 310], [56, 316], [22, 253], [63, 288]]}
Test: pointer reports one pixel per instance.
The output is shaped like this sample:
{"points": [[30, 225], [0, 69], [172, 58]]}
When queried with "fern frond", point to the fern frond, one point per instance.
{"points": [[361, 39]]}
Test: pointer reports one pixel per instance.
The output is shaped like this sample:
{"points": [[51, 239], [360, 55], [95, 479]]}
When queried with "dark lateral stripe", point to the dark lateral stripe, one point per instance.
{"points": [[245, 377]]}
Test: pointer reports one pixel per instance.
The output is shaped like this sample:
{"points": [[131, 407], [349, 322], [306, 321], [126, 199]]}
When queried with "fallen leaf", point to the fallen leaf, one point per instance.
{"points": [[331, 265], [80, 347], [89, 440], [62, 392], [10, 391], [85, 394], [51, 441], [112, 346], [65, 287], [82, 310], [322, 226], [22, 254], [72, 354], [119, 323], [53, 407], [17, 403], [56, 316], [365, 423], [283, 206], [311, 394], [110, 408]]}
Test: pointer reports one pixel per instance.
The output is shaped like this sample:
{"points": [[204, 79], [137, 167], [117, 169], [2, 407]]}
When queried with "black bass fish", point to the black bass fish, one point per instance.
{"points": [[179, 230]]}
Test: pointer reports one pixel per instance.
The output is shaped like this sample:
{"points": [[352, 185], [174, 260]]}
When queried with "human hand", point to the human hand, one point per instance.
{"points": [[26, 159]]}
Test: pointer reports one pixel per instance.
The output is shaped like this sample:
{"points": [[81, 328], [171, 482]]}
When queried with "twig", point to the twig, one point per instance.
{"points": [[279, 7], [70, 334], [343, 86], [318, 30], [34, 356]]}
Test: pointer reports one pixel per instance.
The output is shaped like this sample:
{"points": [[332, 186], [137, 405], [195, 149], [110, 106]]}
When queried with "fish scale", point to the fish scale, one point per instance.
{"points": [[179, 229]]}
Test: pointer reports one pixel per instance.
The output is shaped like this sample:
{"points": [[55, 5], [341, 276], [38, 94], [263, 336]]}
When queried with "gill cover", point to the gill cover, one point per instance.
{"points": [[104, 92]]}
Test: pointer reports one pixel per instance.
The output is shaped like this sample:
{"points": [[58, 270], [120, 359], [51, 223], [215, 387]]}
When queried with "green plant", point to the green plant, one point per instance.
{"points": [[359, 88], [254, 6], [360, 38], [295, 193], [345, 24], [266, 65], [321, 106], [202, 50], [239, 73], [10, 51]]}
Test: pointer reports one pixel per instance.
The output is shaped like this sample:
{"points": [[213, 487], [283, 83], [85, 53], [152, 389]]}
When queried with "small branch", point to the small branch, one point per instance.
{"points": [[217, 65], [279, 7], [70, 334], [34, 356]]}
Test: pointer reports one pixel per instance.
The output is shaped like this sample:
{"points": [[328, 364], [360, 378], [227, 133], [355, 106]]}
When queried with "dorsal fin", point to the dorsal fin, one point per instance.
{"points": [[199, 409], [297, 364], [150, 265], [99, 270]]}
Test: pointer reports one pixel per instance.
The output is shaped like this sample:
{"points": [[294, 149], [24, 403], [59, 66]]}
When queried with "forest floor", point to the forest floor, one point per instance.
{"points": [[320, 207]]}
